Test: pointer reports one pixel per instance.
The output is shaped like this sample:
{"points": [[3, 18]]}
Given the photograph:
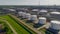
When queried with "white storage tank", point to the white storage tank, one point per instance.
{"points": [[54, 12], [55, 25], [35, 11], [42, 20], [33, 17], [23, 15], [43, 12], [20, 13], [55, 15], [28, 16], [11, 10]]}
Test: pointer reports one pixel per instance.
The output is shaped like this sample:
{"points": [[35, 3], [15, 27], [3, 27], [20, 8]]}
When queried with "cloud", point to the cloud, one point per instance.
{"points": [[50, 2], [29, 2]]}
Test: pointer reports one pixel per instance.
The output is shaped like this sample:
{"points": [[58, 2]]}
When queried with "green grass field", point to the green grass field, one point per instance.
{"points": [[6, 27], [20, 29]]}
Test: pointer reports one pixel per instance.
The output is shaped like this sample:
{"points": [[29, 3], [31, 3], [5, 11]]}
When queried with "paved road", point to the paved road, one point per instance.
{"points": [[10, 26], [46, 26]]}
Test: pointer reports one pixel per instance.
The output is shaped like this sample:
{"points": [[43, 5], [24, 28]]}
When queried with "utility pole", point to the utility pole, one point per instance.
{"points": [[38, 2], [39, 8]]}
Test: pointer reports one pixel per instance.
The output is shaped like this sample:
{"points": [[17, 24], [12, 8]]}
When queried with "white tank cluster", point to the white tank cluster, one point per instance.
{"points": [[28, 16], [42, 20], [55, 25], [55, 15], [25, 15]]}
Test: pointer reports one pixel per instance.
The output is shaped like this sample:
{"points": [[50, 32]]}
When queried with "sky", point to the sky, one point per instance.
{"points": [[29, 2]]}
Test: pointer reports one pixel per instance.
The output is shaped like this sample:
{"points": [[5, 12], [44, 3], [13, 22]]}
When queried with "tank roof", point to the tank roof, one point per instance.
{"points": [[35, 10], [43, 11], [55, 21], [42, 18], [11, 9], [55, 12], [33, 15]]}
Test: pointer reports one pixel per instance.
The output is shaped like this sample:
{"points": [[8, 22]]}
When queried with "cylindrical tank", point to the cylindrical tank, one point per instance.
{"points": [[42, 20], [23, 15], [34, 11], [33, 17], [54, 12], [43, 12], [55, 15], [20, 13], [28, 16], [55, 25], [11, 10]]}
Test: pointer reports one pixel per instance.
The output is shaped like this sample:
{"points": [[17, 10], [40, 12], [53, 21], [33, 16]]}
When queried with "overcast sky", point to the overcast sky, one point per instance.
{"points": [[29, 2]]}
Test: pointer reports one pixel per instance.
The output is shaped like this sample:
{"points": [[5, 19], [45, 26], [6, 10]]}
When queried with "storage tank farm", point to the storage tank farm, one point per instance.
{"points": [[55, 15], [11, 10], [42, 20]]}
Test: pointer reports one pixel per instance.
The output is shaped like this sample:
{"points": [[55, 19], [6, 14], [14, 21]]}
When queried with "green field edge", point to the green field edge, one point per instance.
{"points": [[8, 32]]}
